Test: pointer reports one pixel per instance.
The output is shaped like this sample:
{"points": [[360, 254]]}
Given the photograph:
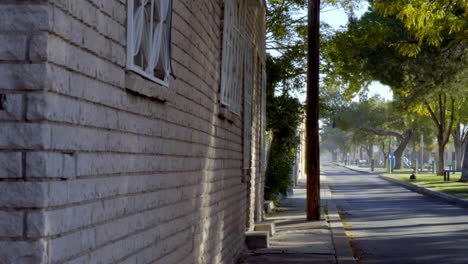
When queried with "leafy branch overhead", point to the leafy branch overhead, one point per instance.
{"points": [[428, 22], [286, 39]]}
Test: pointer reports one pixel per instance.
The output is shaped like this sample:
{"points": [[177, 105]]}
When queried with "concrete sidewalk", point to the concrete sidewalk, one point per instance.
{"points": [[299, 241]]}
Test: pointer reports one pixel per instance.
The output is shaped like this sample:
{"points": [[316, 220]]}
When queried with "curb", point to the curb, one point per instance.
{"points": [[343, 251], [355, 170], [434, 194]]}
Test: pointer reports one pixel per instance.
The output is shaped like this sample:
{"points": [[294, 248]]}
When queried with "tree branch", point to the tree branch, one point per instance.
{"points": [[381, 132], [452, 117], [432, 113]]}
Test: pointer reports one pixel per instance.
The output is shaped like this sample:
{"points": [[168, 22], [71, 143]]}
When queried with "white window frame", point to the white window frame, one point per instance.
{"points": [[248, 61], [233, 57], [164, 47], [263, 153]]}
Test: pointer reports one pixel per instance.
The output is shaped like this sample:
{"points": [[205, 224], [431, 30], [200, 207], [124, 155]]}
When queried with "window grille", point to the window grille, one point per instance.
{"points": [[149, 38], [233, 57], [263, 153], [248, 91]]}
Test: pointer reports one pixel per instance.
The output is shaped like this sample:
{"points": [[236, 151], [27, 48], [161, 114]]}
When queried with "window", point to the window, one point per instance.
{"points": [[149, 39], [263, 154], [248, 93], [233, 57]]}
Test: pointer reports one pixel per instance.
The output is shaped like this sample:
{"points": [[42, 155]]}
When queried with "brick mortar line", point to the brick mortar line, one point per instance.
{"points": [[22, 62], [174, 106], [87, 251], [153, 244], [113, 175], [121, 174], [95, 54], [202, 80], [201, 38], [142, 115], [109, 15], [71, 70], [206, 55], [123, 132], [25, 2], [112, 197], [214, 100], [69, 14], [199, 18], [107, 221], [83, 48], [65, 67], [211, 62]]}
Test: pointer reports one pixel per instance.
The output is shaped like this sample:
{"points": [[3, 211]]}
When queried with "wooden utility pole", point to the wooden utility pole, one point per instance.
{"points": [[313, 157]]}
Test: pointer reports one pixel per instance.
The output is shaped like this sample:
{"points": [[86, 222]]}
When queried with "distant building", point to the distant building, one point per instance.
{"points": [[132, 131]]}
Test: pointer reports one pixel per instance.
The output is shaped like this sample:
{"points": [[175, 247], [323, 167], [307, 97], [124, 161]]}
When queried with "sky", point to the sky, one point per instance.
{"points": [[337, 18]]}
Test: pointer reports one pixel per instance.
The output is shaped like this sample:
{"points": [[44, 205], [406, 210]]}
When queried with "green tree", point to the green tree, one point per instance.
{"points": [[284, 116], [335, 141], [379, 118], [427, 22], [460, 132], [430, 83], [464, 177], [286, 69]]}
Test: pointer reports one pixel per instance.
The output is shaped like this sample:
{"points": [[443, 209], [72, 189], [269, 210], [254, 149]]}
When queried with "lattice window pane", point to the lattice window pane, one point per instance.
{"points": [[233, 57], [248, 91], [263, 161], [149, 38]]}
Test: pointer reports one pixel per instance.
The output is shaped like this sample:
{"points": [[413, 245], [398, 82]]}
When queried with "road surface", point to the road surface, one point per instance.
{"points": [[390, 224]]}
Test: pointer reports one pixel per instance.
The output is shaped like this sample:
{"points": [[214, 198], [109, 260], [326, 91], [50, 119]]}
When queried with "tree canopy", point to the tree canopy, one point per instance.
{"points": [[427, 22]]}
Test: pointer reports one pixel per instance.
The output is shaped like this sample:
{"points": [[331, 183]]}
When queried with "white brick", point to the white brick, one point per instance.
{"points": [[13, 107], [10, 165], [80, 60], [23, 76], [71, 244], [23, 252], [38, 47], [46, 106], [151, 176], [84, 11], [50, 165], [23, 194], [24, 17], [11, 224], [13, 47], [24, 136]]}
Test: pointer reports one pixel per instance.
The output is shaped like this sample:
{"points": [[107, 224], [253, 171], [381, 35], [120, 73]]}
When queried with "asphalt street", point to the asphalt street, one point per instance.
{"points": [[390, 224]]}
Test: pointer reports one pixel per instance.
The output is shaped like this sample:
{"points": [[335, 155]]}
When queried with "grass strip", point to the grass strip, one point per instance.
{"points": [[437, 183]]}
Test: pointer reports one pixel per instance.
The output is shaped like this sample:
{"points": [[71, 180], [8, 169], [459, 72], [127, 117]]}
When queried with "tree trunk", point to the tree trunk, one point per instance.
{"points": [[464, 177], [385, 154], [334, 156], [460, 139], [369, 151], [443, 131], [458, 151], [401, 147], [441, 160]]}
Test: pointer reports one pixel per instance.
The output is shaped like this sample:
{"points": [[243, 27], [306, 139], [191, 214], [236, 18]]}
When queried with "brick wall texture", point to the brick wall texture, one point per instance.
{"points": [[92, 171]]}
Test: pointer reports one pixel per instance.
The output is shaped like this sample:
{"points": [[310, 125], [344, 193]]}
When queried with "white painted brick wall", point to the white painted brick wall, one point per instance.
{"points": [[10, 165], [97, 174]]}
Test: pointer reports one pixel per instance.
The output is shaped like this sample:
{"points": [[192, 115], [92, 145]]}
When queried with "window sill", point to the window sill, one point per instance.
{"points": [[225, 113], [141, 86]]}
